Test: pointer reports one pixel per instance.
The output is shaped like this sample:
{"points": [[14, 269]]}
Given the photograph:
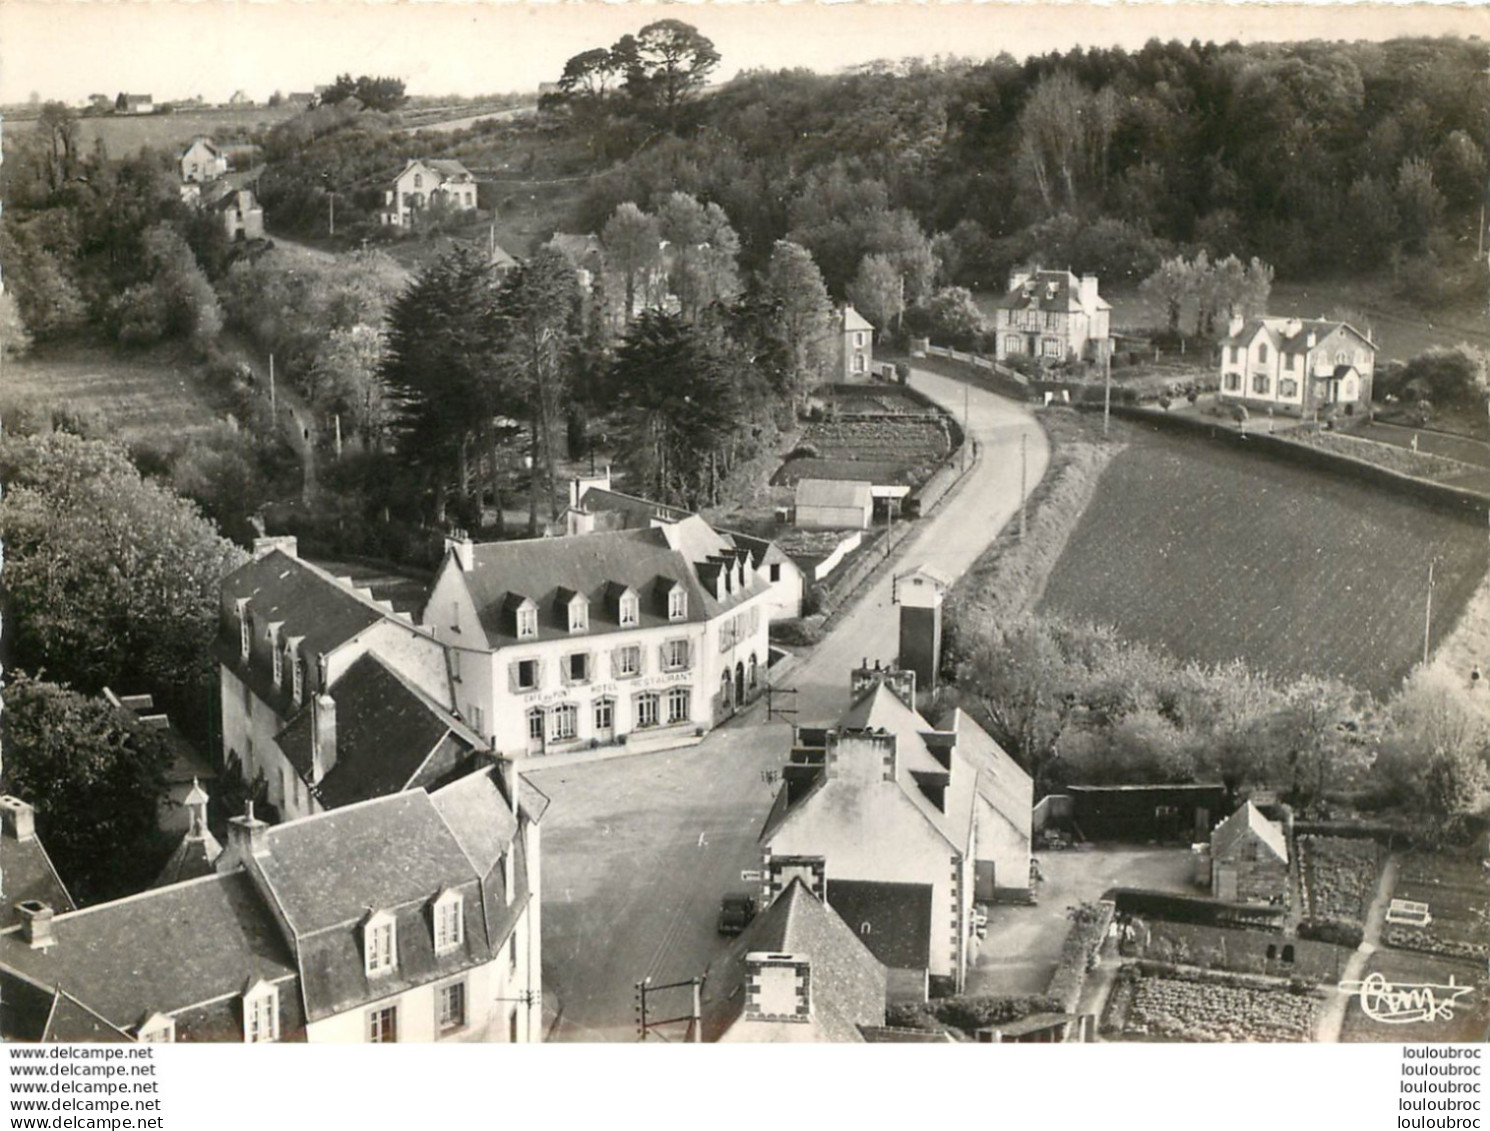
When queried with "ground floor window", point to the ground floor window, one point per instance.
{"points": [[1261, 383], [1052, 347], [1288, 387], [535, 725], [1233, 382], [563, 722], [452, 1006], [605, 714], [646, 710], [382, 1025], [512, 1026], [754, 676], [1013, 344], [679, 704]]}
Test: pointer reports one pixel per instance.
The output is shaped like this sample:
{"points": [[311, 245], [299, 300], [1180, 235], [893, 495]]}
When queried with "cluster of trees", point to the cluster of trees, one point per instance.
{"points": [[1209, 291], [383, 94], [691, 362], [1078, 705], [647, 78], [1457, 378], [111, 581], [92, 242], [1314, 157]]}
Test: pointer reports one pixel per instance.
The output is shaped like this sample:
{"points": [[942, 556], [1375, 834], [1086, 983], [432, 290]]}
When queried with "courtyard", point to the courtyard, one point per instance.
{"points": [[1024, 943]]}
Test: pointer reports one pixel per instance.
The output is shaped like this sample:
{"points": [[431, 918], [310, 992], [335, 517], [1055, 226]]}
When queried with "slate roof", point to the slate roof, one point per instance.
{"points": [[1062, 287], [385, 853], [1246, 822], [847, 982], [898, 916], [853, 320], [1297, 342], [634, 512], [386, 730], [593, 564], [1002, 782], [192, 859], [26, 872], [164, 950], [479, 818], [834, 493], [880, 709], [450, 169]]}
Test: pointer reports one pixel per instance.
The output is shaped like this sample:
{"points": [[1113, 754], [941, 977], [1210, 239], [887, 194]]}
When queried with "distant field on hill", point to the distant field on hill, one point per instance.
{"points": [[126, 134], [154, 393], [1217, 554]]}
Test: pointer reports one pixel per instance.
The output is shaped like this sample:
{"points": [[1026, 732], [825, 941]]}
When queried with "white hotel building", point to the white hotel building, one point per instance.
{"points": [[648, 637]]}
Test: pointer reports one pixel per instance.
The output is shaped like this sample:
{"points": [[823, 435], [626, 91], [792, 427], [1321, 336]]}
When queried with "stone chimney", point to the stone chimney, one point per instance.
{"points": [[36, 923], [778, 987], [582, 483], [459, 543], [17, 819], [1020, 275], [1234, 327], [861, 755], [322, 736], [1089, 292], [507, 780], [248, 837], [284, 543]]}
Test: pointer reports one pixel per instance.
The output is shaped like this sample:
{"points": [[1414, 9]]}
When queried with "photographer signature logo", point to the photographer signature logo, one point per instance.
{"points": [[1408, 1002]]}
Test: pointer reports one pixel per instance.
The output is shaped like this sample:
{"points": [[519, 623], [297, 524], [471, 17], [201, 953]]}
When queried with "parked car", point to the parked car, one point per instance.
{"points": [[735, 913]]}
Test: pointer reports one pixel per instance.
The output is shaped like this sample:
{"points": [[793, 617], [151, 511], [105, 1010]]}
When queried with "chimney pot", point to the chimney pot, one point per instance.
{"points": [[247, 837], [17, 818], [36, 923]]}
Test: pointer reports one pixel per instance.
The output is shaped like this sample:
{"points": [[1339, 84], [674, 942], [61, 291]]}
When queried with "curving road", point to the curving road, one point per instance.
{"points": [[951, 540], [637, 851]]}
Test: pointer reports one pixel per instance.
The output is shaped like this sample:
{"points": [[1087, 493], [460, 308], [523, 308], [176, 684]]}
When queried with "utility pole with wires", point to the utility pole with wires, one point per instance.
{"points": [[646, 1027], [966, 439], [1106, 386], [1023, 480], [1428, 609]]}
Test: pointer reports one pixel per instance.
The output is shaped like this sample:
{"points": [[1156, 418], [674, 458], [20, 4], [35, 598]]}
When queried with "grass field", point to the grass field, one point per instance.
{"points": [[124, 135], [156, 393], [1217, 554]]}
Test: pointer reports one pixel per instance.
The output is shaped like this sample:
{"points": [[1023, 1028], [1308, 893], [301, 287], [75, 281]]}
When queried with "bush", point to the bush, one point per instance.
{"points": [[1336, 931], [969, 1014]]}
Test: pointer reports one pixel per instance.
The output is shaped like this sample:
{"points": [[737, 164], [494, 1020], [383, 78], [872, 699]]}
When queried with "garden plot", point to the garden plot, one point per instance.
{"points": [[1154, 1003], [1339, 877], [1456, 892], [886, 450], [1418, 997]]}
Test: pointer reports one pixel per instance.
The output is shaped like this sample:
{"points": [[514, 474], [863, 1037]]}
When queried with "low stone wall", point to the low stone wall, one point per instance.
{"points": [[1457, 499]]}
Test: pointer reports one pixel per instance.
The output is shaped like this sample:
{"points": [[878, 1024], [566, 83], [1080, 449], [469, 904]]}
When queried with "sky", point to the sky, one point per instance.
{"points": [[174, 49]]}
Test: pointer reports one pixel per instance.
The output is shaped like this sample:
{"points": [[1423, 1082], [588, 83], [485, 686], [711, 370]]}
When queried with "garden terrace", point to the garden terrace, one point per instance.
{"points": [[1239, 951], [1153, 1002]]}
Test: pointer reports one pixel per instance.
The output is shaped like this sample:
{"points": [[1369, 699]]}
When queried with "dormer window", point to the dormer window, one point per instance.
{"points": [[261, 1013], [630, 610], [297, 668], [525, 619], [579, 613], [279, 656], [380, 944], [157, 1029], [245, 628], [449, 922], [677, 604]]}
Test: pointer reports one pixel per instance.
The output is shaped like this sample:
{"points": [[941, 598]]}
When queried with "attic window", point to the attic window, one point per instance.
{"points": [[297, 678], [449, 922], [245, 630], [630, 610], [677, 603], [527, 622], [261, 1014], [279, 657], [579, 614], [380, 944], [865, 928], [157, 1029]]}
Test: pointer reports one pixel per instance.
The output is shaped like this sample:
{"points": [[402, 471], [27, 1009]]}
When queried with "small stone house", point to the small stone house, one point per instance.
{"points": [[855, 345], [1249, 858]]}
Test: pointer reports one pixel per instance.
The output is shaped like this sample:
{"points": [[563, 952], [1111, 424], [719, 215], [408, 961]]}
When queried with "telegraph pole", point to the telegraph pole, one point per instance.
{"points": [[1023, 479], [1106, 386], [273, 405], [966, 438], [1428, 611]]}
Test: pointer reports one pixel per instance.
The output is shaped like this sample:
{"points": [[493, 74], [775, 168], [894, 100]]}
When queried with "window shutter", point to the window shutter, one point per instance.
{"points": [[512, 680], [641, 661], [615, 663], [687, 653], [537, 674]]}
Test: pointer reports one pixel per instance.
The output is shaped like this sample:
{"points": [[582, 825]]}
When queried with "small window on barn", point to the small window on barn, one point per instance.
{"points": [[1272, 952], [1288, 953], [865, 928]]}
